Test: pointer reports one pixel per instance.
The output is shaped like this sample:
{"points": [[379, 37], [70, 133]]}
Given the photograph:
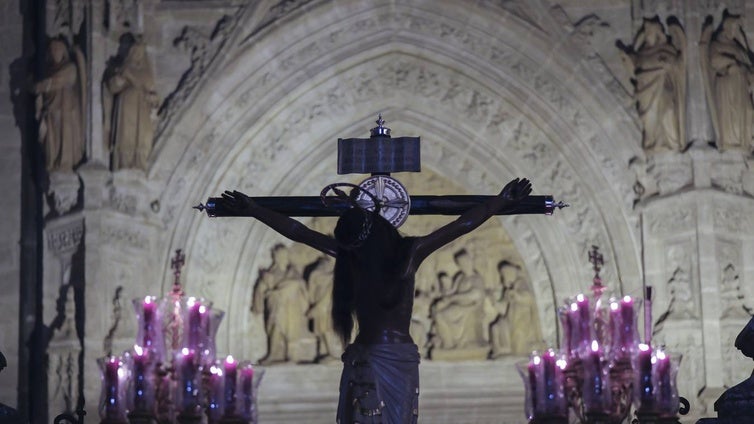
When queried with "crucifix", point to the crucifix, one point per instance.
{"points": [[380, 155], [375, 265]]}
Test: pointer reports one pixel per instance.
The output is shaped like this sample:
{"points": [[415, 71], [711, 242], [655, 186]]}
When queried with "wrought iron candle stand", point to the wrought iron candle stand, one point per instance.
{"points": [[182, 382], [602, 369]]}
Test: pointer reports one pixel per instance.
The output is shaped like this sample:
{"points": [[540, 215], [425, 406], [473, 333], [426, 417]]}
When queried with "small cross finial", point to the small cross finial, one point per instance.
{"points": [[176, 264], [597, 260]]}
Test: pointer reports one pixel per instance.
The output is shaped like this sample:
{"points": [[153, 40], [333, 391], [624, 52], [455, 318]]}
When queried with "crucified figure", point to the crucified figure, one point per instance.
{"points": [[374, 281]]}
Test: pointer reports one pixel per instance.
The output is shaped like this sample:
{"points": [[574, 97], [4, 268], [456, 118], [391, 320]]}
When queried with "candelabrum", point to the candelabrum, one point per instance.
{"points": [[172, 373], [602, 369]]}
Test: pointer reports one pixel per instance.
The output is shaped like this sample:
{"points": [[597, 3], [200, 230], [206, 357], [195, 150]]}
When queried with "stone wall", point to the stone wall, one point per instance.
{"points": [[10, 185], [253, 95]]}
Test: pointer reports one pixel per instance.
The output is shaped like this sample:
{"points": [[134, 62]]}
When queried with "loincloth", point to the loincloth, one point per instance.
{"points": [[379, 384]]}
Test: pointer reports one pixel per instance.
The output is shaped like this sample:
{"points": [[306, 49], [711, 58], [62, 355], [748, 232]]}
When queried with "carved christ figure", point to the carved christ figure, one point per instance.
{"points": [[728, 71], [373, 280], [657, 65]]}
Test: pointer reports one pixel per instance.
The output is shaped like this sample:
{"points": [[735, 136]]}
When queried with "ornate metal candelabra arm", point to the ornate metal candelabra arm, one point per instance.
{"points": [[69, 418]]}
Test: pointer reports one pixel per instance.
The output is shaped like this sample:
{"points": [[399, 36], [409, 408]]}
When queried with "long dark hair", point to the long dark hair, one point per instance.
{"points": [[367, 243]]}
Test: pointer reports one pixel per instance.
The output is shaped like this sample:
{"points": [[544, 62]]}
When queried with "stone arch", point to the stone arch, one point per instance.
{"points": [[261, 106]]}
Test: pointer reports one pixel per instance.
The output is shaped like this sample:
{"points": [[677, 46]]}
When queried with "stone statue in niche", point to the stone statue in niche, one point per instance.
{"points": [[517, 328], [320, 299], [731, 297], [459, 317], [280, 294], [727, 66], [130, 100], [60, 107], [657, 65]]}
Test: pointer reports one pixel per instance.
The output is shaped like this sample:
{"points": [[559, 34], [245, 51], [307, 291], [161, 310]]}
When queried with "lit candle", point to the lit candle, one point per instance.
{"points": [[194, 323], [189, 389], [140, 379], [593, 384], [646, 391], [111, 381], [662, 371], [628, 323], [584, 320], [230, 385], [247, 395], [535, 366], [215, 393], [148, 308], [550, 381]]}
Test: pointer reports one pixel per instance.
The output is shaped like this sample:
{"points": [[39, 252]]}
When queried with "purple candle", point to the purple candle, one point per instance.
{"points": [[230, 385], [584, 320], [628, 323], [112, 374], [188, 385], [194, 323], [644, 386], [246, 380], [140, 379], [215, 393], [566, 322], [535, 367], [662, 371], [148, 308]]}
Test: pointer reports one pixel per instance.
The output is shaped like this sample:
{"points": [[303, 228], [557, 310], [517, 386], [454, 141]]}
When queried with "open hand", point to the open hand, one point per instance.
{"points": [[516, 190], [237, 202]]}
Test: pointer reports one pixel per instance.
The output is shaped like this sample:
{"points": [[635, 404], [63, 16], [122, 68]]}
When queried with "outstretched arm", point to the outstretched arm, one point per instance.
{"points": [[509, 197], [243, 205]]}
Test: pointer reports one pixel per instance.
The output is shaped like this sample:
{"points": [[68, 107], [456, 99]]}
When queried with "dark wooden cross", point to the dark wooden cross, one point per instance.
{"points": [[381, 155]]}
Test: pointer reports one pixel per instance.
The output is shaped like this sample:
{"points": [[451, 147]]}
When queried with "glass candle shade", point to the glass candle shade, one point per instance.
{"points": [[195, 315], [188, 377], [112, 407], [543, 378], [665, 373], [149, 334], [140, 395], [644, 380], [215, 391], [208, 352], [624, 330], [249, 378], [595, 388]]}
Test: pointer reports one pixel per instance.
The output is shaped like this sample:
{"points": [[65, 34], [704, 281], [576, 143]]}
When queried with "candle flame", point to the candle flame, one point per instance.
{"points": [[202, 309], [595, 346], [574, 307], [580, 297], [185, 351], [147, 300], [561, 363], [138, 350], [215, 371], [230, 359], [536, 360], [643, 347], [626, 299], [614, 306], [661, 355]]}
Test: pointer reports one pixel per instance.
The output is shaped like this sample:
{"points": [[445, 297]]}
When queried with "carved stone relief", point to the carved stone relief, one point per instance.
{"points": [[470, 297], [732, 298], [657, 63], [680, 281]]}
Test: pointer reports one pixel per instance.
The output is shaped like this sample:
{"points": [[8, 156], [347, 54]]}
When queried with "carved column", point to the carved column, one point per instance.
{"points": [[62, 293]]}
